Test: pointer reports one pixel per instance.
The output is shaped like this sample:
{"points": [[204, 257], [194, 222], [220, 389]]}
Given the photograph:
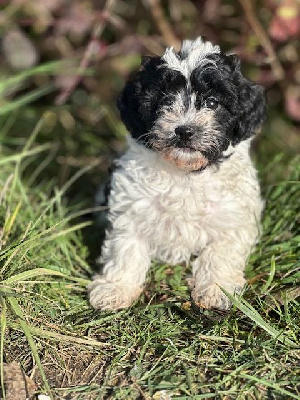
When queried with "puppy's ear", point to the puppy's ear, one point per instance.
{"points": [[137, 100], [252, 104], [128, 105]]}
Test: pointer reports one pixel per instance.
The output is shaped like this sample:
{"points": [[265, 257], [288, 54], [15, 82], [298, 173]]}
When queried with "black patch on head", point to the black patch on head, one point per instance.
{"points": [[153, 86], [214, 79], [242, 102]]}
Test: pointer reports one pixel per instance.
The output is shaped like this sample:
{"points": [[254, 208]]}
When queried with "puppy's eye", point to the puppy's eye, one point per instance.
{"points": [[211, 103]]}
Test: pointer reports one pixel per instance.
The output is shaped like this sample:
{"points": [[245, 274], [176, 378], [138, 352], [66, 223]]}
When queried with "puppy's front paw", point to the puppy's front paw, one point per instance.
{"points": [[107, 295], [213, 297]]}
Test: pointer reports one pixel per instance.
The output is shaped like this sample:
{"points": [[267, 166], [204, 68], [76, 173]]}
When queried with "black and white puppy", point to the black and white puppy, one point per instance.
{"points": [[186, 185]]}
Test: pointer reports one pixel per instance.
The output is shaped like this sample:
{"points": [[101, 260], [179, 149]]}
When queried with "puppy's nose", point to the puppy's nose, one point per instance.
{"points": [[184, 132]]}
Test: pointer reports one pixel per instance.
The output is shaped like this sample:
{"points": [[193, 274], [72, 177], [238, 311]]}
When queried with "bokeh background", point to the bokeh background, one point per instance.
{"points": [[72, 58]]}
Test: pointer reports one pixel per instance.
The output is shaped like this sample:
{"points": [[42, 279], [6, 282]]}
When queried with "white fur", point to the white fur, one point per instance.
{"points": [[195, 52], [160, 212]]}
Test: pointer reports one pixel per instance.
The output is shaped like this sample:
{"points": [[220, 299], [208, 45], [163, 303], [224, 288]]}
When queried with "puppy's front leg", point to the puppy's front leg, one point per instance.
{"points": [[126, 260], [221, 264]]}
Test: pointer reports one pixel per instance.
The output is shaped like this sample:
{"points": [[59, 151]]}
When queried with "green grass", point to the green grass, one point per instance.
{"points": [[160, 346]]}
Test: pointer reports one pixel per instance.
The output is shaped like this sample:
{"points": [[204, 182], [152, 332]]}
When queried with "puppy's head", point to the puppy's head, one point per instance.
{"points": [[191, 106]]}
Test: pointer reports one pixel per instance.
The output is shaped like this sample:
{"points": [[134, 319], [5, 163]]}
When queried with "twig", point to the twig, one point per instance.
{"points": [[88, 54], [260, 33], [151, 44], [163, 25]]}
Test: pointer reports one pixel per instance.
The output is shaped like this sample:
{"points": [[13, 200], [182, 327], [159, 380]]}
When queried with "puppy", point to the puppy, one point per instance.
{"points": [[186, 187]]}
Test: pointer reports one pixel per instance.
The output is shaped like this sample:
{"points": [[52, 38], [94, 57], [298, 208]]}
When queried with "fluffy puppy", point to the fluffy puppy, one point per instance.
{"points": [[186, 187]]}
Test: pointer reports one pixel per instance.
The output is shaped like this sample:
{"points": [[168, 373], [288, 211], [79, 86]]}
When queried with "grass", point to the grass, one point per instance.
{"points": [[160, 348]]}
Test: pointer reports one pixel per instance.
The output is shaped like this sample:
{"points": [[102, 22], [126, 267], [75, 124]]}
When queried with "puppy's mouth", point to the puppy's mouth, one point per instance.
{"points": [[185, 158]]}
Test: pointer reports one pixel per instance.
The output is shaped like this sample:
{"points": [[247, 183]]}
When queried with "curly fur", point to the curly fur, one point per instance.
{"points": [[186, 185]]}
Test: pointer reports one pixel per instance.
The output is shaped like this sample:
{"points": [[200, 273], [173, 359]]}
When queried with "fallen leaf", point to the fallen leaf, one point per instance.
{"points": [[18, 386]]}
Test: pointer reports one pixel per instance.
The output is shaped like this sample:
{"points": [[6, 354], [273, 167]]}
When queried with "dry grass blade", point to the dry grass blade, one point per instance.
{"points": [[58, 337], [26, 329]]}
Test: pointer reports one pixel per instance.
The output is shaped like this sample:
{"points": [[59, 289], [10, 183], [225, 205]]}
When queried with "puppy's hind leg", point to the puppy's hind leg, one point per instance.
{"points": [[126, 261]]}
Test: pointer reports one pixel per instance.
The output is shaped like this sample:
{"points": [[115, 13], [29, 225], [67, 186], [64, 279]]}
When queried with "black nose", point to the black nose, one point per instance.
{"points": [[184, 132]]}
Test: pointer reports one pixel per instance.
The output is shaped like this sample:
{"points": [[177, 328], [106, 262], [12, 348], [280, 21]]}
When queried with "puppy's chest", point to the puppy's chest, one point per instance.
{"points": [[190, 203], [182, 204]]}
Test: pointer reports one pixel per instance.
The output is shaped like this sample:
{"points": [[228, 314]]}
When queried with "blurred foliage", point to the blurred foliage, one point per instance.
{"points": [[100, 43]]}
